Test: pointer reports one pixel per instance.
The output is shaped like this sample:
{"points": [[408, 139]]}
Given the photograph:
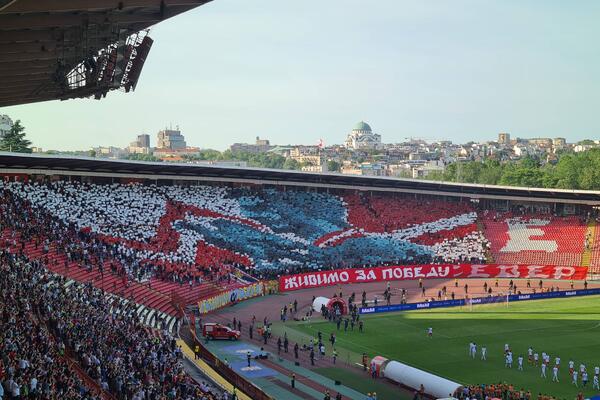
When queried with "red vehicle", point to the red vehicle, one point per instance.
{"points": [[216, 331]]}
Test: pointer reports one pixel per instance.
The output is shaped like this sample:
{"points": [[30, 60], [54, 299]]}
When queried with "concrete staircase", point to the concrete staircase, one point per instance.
{"points": [[586, 257]]}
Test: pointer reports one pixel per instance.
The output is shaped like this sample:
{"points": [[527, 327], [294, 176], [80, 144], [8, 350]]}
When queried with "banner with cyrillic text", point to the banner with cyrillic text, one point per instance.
{"points": [[428, 271]]}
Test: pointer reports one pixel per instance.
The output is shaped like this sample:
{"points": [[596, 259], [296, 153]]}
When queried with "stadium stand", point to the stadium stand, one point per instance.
{"points": [[535, 238], [82, 256], [593, 243], [73, 341], [163, 247], [200, 233], [150, 241]]}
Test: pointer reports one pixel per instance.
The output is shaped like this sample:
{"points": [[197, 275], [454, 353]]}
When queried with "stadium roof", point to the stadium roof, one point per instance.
{"points": [[41, 41], [70, 165]]}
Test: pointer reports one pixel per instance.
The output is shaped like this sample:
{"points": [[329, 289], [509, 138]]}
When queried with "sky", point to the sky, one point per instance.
{"points": [[298, 71]]}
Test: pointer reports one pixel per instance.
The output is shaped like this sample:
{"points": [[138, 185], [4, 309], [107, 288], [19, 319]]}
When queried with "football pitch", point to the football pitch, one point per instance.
{"points": [[565, 328]]}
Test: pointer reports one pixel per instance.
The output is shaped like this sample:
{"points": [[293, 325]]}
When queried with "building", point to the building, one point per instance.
{"points": [[504, 138], [423, 156], [175, 155], [259, 146], [141, 145], [366, 169], [424, 170], [363, 138], [540, 142], [6, 125], [283, 151], [170, 140], [143, 140], [311, 157], [583, 147], [262, 142], [320, 167], [109, 152], [222, 163], [559, 142]]}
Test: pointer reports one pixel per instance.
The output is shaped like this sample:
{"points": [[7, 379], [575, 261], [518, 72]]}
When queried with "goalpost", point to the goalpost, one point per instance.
{"points": [[502, 299]]}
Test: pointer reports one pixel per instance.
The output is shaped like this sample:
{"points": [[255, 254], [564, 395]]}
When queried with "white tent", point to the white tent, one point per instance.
{"points": [[319, 301]]}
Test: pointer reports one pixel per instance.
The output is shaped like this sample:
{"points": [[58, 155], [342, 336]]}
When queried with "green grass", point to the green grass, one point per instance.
{"points": [[569, 329], [357, 381]]}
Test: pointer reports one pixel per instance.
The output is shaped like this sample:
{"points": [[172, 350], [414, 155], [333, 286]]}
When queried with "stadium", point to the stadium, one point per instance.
{"points": [[287, 258], [143, 280]]}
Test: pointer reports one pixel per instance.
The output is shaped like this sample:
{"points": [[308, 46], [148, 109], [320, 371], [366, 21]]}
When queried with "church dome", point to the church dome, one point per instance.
{"points": [[362, 126]]}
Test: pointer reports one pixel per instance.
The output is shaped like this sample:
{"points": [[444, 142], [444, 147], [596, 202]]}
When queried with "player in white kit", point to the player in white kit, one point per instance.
{"points": [[483, 352], [596, 384], [584, 379], [574, 381], [530, 355], [596, 371], [555, 374], [543, 370], [536, 358], [474, 350], [520, 363], [571, 367]]}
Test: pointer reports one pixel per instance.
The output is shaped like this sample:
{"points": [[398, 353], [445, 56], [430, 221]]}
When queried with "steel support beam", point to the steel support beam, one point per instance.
{"points": [[45, 21], [25, 65], [32, 6]]}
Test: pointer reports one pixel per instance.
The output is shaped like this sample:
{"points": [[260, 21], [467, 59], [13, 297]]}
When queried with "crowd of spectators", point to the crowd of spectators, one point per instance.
{"points": [[194, 233], [501, 390], [43, 320], [32, 361], [47, 231]]}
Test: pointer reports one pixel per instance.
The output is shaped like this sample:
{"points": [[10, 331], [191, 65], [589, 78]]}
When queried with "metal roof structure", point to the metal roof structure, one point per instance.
{"points": [[49, 48], [86, 166]]}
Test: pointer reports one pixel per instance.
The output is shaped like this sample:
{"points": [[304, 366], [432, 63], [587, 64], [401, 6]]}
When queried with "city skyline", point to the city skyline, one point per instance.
{"points": [[294, 73]]}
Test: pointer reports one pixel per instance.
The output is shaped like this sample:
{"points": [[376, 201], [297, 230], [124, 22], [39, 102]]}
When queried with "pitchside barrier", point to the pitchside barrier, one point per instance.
{"points": [[477, 300], [230, 297]]}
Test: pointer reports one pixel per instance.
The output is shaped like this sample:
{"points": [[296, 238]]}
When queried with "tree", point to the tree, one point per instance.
{"points": [[333, 165], [143, 157], [291, 164], [15, 140], [93, 153]]}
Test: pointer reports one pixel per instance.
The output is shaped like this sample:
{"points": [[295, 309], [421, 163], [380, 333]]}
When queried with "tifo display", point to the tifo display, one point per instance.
{"points": [[189, 232]]}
